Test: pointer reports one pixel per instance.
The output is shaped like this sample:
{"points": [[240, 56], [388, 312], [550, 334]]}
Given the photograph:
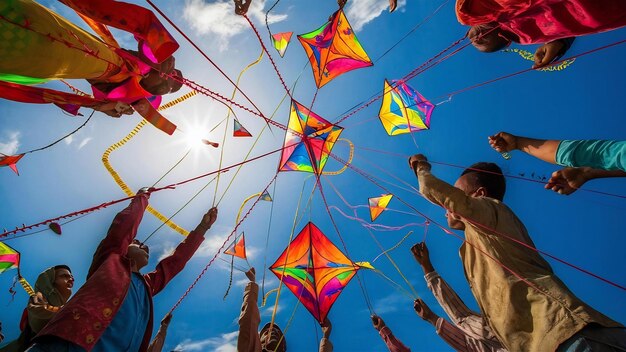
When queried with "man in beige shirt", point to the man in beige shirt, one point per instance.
{"points": [[526, 305]]}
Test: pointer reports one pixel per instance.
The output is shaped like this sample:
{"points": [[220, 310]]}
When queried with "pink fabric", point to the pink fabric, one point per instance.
{"points": [[541, 21], [393, 344]]}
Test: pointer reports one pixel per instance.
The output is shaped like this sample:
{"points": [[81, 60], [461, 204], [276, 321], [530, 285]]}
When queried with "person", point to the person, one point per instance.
{"points": [[159, 339], [470, 331], [42, 45], [526, 305], [393, 344], [53, 289], [271, 337], [113, 310], [497, 23], [584, 159]]}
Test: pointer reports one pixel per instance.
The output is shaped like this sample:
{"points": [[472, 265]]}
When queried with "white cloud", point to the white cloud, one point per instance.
{"points": [[390, 303], [69, 139], [362, 12], [168, 249], [270, 310], [218, 19], [223, 343], [9, 147], [84, 142]]}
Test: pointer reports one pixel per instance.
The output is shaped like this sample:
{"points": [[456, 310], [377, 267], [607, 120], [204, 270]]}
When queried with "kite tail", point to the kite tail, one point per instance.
{"points": [[230, 280]]}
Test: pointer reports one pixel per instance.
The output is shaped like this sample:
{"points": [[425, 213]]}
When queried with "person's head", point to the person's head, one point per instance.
{"points": [[138, 253], [63, 280], [479, 180], [487, 38], [272, 339]]}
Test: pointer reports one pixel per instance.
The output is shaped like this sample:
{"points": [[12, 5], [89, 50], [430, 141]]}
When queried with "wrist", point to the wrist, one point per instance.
{"points": [[427, 268]]}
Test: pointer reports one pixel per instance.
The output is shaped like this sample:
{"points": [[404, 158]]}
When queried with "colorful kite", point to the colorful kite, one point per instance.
{"points": [[266, 196], [9, 258], [315, 270], [378, 205], [308, 141], [240, 131], [10, 161], [404, 110], [531, 57], [238, 249], [281, 41], [333, 49]]}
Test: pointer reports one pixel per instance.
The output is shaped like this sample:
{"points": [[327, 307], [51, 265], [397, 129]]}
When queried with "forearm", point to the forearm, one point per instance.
{"points": [[544, 149], [393, 344], [590, 173], [453, 336], [326, 345], [249, 320], [159, 340]]}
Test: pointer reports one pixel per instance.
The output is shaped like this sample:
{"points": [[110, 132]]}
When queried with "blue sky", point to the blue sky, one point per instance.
{"points": [[582, 101]]}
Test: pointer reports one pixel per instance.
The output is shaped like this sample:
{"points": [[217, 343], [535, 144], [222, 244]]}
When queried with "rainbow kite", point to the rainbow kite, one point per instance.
{"points": [[281, 41], [403, 109], [315, 270], [378, 205], [9, 258], [333, 49], [308, 141]]}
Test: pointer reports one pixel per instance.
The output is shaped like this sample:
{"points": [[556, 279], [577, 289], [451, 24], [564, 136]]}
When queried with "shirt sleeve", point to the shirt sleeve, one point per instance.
{"points": [[249, 320], [393, 344], [467, 320], [476, 209], [598, 154]]}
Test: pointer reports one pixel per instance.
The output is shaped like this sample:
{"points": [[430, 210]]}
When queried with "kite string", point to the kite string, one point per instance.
{"points": [[204, 270], [267, 243], [62, 138]]}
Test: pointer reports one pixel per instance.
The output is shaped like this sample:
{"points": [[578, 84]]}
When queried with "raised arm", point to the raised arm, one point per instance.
{"points": [[173, 264], [393, 344], [159, 340], [568, 180], [544, 149], [122, 231], [249, 319]]}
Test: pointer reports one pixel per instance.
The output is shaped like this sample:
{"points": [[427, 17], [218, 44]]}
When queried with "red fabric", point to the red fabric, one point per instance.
{"points": [[541, 21], [139, 21], [36, 95], [393, 344], [90, 311]]}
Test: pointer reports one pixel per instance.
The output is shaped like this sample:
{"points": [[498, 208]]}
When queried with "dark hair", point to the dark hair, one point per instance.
{"points": [[488, 175], [63, 266]]}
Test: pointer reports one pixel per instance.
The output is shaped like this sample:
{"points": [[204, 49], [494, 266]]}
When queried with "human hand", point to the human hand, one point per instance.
{"points": [[392, 5], [378, 322], [547, 53], [420, 252], [424, 312], [568, 180], [209, 218], [418, 162], [251, 275], [38, 299], [145, 190], [241, 6], [165, 322], [327, 327], [503, 142]]}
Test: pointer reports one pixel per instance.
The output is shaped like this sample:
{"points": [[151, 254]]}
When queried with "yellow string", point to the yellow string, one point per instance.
{"points": [[27, 287], [345, 166], [267, 295], [531, 57], [232, 96], [116, 177]]}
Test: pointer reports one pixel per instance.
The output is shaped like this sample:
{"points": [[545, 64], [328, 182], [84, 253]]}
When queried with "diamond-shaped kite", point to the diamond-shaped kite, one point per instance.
{"points": [[315, 270], [308, 141], [333, 49], [9, 258], [10, 161], [281, 41], [378, 205], [403, 109], [238, 249]]}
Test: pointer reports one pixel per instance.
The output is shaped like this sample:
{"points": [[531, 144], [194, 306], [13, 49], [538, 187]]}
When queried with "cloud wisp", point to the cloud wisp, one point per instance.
{"points": [[223, 343], [10, 145], [362, 12]]}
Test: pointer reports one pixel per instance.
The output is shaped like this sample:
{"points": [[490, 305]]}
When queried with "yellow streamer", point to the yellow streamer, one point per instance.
{"points": [[531, 57], [116, 177], [333, 173], [267, 295], [27, 287]]}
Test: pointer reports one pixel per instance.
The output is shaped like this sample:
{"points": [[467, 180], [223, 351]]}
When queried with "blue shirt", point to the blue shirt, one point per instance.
{"points": [[125, 333], [606, 155]]}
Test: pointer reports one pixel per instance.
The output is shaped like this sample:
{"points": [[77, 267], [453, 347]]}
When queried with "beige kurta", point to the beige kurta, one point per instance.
{"points": [[524, 318]]}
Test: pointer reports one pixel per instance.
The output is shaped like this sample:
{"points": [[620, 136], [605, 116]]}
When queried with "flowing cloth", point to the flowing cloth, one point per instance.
{"points": [[541, 21]]}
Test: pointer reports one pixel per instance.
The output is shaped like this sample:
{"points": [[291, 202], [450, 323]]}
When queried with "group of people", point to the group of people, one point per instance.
{"points": [[524, 306]]}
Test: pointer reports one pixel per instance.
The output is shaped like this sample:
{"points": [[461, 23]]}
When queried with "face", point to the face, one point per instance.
{"points": [[139, 253], [486, 38], [63, 281], [269, 343]]}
